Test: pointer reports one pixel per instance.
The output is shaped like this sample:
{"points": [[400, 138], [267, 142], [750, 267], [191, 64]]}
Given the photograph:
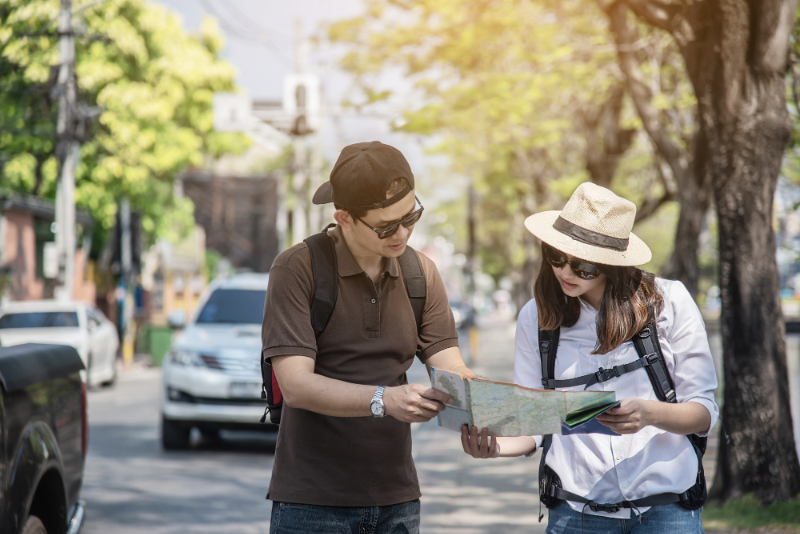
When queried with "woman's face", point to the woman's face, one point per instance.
{"points": [[574, 286]]}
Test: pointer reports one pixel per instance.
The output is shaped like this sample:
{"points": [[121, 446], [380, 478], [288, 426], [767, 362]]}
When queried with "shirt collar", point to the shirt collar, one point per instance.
{"points": [[347, 264], [586, 306]]}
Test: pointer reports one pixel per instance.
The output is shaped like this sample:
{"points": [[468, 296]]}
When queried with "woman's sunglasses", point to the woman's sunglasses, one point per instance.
{"points": [[407, 221], [582, 269]]}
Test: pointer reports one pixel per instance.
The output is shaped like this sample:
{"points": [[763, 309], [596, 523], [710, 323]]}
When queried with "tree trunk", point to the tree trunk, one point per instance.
{"points": [[694, 196], [735, 53], [748, 146], [741, 92], [606, 139]]}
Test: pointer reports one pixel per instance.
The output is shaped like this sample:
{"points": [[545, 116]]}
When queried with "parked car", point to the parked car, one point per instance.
{"points": [[78, 324], [463, 314], [212, 375], [43, 439]]}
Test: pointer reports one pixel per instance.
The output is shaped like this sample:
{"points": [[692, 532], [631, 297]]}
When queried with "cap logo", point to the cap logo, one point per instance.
{"points": [[588, 236]]}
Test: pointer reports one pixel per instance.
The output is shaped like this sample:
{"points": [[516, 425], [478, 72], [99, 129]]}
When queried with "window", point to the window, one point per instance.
{"points": [[237, 306], [60, 319]]}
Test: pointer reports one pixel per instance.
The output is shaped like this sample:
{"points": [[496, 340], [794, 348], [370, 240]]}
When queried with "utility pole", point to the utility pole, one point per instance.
{"points": [[300, 175], [474, 339], [126, 281], [67, 152]]}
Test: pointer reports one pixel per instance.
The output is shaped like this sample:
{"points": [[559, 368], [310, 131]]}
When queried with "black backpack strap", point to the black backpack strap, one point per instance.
{"points": [[326, 283], [649, 350], [548, 349], [602, 375], [326, 290], [414, 280]]}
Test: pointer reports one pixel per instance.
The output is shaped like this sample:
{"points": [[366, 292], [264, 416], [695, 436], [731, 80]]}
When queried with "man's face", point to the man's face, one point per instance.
{"points": [[394, 245]]}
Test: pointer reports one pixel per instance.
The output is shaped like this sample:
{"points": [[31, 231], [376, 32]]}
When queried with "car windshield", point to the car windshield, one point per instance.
{"points": [[238, 306], [64, 319]]}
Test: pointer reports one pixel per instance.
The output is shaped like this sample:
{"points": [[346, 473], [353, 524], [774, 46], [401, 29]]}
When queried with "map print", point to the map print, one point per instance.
{"points": [[454, 385], [511, 410]]}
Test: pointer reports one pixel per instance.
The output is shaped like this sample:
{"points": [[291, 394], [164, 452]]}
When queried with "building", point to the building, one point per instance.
{"points": [[239, 215], [26, 262]]}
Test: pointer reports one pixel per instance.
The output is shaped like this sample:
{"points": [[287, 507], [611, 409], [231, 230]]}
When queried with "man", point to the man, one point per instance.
{"points": [[340, 466]]}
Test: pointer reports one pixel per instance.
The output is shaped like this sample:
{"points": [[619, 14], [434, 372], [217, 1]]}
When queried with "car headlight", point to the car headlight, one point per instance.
{"points": [[457, 316], [189, 358]]}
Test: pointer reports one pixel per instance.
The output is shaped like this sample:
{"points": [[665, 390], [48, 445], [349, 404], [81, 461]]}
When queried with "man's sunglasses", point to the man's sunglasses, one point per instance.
{"points": [[407, 221], [582, 269]]}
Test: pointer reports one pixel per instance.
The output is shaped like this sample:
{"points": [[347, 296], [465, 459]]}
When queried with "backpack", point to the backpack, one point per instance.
{"points": [[323, 302], [651, 359]]}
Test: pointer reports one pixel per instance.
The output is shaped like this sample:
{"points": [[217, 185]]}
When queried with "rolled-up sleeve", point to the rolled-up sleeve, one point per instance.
{"points": [[286, 329], [527, 361], [694, 376]]}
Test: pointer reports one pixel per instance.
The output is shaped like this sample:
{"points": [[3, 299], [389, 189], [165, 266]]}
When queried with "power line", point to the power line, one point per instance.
{"points": [[236, 33], [245, 19]]}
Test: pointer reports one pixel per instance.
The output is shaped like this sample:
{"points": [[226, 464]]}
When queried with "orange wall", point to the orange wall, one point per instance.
{"points": [[20, 256]]}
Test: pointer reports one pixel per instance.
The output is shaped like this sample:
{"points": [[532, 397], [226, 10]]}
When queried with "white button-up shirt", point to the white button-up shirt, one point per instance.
{"points": [[611, 469]]}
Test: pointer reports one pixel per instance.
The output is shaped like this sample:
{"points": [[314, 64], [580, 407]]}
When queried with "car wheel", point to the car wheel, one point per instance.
{"points": [[174, 435], [33, 525], [110, 381]]}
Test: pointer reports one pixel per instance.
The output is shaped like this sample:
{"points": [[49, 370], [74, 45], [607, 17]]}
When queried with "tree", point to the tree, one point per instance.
{"points": [[152, 85], [735, 53], [678, 149], [526, 119]]}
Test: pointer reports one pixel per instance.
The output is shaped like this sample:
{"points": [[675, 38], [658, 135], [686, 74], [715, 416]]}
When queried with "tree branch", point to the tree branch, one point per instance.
{"points": [[651, 205], [642, 96], [771, 28], [654, 12], [667, 15]]}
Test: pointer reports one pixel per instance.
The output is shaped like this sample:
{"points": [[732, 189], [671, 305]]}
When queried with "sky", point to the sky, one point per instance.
{"points": [[260, 44]]}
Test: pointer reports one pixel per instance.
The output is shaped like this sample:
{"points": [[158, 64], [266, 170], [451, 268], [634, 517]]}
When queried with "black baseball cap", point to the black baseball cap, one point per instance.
{"points": [[362, 175]]}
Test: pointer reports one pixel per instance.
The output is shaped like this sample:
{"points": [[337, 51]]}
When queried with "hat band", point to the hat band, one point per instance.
{"points": [[588, 236]]}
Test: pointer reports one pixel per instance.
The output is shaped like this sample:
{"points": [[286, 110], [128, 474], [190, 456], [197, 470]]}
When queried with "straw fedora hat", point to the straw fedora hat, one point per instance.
{"points": [[595, 225]]}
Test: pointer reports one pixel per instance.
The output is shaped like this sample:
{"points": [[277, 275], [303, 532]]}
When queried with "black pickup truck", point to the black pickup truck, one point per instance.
{"points": [[43, 439]]}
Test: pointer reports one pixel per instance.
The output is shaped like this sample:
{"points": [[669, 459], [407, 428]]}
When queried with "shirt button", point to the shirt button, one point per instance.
{"points": [[373, 301], [618, 457]]}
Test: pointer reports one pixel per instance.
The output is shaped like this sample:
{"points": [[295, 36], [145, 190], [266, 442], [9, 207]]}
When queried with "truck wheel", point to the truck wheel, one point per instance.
{"points": [[174, 435], [33, 525]]}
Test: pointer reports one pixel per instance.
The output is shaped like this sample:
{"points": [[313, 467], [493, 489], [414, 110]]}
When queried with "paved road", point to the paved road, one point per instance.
{"points": [[132, 486]]}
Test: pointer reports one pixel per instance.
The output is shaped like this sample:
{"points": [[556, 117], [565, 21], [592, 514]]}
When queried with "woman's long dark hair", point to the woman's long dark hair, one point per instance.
{"points": [[630, 300]]}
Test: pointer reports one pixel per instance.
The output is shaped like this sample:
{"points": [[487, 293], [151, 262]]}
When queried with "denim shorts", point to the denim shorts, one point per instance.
{"points": [[289, 518], [664, 519]]}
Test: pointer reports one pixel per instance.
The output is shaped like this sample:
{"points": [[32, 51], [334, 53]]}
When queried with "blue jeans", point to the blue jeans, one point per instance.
{"points": [[664, 519], [289, 518]]}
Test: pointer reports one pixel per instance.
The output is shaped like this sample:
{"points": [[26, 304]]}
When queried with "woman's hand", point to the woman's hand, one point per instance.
{"points": [[479, 445], [631, 416]]}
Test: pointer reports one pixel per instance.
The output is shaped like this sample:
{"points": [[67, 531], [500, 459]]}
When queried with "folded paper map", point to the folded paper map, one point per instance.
{"points": [[512, 410]]}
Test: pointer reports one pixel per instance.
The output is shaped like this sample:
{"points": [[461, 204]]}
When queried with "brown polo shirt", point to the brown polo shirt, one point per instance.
{"points": [[370, 339]]}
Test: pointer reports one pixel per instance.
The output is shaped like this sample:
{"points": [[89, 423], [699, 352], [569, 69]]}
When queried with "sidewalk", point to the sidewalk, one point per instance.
{"points": [[463, 495]]}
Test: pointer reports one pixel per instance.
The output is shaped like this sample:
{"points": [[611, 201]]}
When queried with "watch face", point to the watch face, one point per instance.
{"points": [[376, 408]]}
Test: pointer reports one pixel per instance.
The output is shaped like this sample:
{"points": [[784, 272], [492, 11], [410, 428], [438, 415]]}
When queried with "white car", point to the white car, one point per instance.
{"points": [[78, 324], [212, 375]]}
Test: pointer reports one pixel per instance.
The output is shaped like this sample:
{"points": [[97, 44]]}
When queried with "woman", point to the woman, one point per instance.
{"points": [[589, 288]]}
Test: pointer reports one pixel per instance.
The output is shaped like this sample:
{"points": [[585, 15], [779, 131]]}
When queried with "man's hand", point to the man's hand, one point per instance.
{"points": [[631, 416], [479, 445], [414, 403]]}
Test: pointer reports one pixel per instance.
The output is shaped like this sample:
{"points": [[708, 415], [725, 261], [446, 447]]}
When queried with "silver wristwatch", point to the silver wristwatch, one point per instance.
{"points": [[376, 406]]}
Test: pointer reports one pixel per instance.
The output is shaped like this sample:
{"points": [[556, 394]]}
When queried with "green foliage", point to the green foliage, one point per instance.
{"points": [[507, 90], [154, 84], [791, 160], [749, 514]]}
